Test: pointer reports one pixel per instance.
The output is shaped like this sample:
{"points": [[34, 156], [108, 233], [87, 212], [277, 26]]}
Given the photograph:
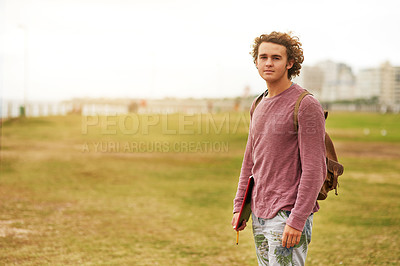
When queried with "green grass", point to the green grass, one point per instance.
{"points": [[365, 127], [86, 192]]}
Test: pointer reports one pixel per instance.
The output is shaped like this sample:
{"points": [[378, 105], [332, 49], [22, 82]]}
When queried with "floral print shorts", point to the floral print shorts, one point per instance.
{"points": [[268, 240]]}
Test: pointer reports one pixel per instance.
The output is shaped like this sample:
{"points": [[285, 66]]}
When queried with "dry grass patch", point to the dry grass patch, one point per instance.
{"points": [[60, 205]]}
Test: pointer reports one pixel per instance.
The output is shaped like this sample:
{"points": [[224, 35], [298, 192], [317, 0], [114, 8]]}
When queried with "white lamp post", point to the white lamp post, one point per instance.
{"points": [[26, 66]]}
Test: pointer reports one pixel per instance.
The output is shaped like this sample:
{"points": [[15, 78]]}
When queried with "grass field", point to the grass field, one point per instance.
{"points": [[158, 190]]}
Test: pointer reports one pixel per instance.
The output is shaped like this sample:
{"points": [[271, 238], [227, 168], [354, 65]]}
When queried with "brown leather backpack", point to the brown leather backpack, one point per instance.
{"points": [[334, 168]]}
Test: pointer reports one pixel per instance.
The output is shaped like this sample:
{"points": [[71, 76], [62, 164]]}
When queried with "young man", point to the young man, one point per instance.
{"points": [[288, 166]]}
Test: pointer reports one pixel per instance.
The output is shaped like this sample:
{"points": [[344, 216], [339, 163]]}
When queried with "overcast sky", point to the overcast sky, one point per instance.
{"points": [[177, 48]]}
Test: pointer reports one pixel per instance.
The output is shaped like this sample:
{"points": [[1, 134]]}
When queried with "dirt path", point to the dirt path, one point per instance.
{"points": [[368, 150]]}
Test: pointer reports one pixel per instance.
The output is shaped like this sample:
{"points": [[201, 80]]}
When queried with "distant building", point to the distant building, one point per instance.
{"points": [[328, 81], [100, 106], [390, 85], [368, 83], [397, 85], [311, 78], [382, 82], [338, 82]]}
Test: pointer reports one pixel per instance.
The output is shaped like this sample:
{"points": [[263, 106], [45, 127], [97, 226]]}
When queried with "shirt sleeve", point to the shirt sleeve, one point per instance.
{"points": [[311, 141]]}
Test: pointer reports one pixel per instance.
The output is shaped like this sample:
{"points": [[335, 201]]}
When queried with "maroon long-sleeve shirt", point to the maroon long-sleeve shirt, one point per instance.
{"points": [[288, 167]]}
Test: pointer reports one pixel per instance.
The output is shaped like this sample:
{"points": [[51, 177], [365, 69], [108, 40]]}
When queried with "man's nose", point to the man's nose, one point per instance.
{"points": [[268, 62]]}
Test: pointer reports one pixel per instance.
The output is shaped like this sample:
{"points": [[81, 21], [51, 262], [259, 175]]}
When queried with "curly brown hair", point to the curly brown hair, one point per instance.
{"points": [[293, 49]]}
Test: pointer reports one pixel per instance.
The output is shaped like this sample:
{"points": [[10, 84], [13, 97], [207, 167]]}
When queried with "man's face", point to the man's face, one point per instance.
{"points": [[272, 62]]}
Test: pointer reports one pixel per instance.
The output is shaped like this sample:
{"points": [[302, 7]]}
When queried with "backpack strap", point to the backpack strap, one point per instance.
{"points": [[296, 110], [258, 100]]}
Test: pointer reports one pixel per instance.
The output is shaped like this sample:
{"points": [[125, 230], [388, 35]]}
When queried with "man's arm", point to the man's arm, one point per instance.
{"points": [[245, 172], [311, 141]]}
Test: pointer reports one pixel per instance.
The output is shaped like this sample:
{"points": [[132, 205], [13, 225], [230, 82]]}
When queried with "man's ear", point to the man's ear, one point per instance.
{"points": [[290, 64]]}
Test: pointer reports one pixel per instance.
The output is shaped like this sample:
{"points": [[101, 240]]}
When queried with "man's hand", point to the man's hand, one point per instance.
{"points": [[234, 221], [290, 237]]}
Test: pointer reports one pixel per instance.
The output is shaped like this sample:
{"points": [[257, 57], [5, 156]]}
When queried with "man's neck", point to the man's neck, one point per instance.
{"points": [[278, 87]]}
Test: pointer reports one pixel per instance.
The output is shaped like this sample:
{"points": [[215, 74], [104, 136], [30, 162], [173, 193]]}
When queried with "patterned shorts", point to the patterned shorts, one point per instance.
{"points": [[268, 240]]}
